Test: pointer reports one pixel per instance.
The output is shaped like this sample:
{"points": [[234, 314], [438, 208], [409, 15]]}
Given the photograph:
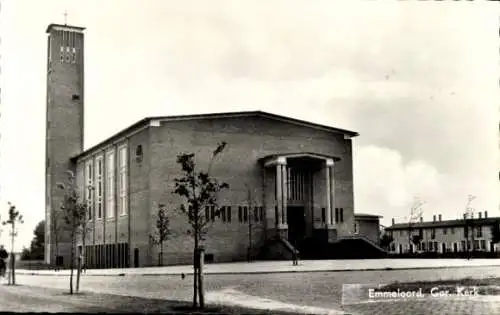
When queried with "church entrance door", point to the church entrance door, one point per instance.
{"points": [[296, 225]]}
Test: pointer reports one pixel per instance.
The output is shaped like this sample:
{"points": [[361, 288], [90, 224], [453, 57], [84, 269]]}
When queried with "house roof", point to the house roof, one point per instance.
{"points": [[366, 215], [446, 223], [146, 122], [76, 28]]}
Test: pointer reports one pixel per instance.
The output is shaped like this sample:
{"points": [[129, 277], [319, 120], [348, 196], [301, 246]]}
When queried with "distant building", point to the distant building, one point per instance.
{"points": [[440, 236]]}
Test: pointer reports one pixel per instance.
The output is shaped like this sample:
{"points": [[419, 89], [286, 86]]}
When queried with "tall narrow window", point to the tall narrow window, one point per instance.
{"points": [[73, 55], [256, 214], [99, 187], [123, 180], [245, 214], [223, 213], [341, 214], [240, 214], [110, 185], [89, 192], [323, 215], [229, 214]]}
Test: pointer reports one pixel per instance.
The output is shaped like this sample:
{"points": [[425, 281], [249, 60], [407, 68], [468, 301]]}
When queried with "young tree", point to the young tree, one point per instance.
{"points": [[250, 221], [14, 217], [200, 191], [75, 214], [37, 247], [162, 231], [415, 214]]}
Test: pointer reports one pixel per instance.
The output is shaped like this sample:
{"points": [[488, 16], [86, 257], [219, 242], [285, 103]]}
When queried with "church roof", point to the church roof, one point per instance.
{"points": [[148, 120]]}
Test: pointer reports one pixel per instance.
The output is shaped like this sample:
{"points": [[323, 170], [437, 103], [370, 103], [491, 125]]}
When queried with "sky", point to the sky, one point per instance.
{"points": [[418, 81]]}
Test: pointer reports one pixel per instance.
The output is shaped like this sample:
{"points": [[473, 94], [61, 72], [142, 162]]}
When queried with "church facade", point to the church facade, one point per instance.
{"points": [[289, 180]]}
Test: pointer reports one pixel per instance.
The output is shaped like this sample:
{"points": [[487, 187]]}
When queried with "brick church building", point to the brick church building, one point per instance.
{"points": [[291, 181]]}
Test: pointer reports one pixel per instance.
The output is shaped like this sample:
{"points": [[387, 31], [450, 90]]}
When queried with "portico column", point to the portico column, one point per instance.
{"points": [[328, 194], [330, 201], [331, 165]]}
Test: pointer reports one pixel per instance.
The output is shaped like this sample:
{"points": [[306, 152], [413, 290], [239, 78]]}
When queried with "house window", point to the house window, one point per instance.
{"points": [[123, 179], [261, 209], [73, 55], [479, 231], [245, 214], [445, 231], [483, 244], [89, 177], [423, 246], [228, 214], [341, 214], [476, 244], [223, 213], [452, 230], [356, 229], [98, 188], [110, 185], [67, 55], [323, 215], [463, 246], [336, 214], [256, 214], [433, 233], [240, 214]]}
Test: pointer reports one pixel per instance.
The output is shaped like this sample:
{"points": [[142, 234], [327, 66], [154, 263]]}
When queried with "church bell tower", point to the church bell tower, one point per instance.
{"points": [[64, 127]]}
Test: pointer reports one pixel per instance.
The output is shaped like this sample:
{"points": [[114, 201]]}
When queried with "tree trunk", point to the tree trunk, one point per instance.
{"points": [[13, 260], [161, 254], [71, 262], [195, 279], [78, 272], [200, 279]]}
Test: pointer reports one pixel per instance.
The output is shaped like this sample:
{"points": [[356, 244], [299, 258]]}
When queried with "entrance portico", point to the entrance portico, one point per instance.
{"points": [[303, 203]]}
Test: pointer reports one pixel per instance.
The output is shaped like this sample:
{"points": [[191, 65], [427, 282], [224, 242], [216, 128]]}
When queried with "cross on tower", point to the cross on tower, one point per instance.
{"points": [[65, 17]]}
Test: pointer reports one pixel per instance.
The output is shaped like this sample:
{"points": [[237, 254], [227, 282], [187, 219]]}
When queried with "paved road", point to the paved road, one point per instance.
{"points": [[315, 292]]}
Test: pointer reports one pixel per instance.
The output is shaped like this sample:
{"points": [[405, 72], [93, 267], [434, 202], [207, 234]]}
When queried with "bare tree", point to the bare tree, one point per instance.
{"points": [[469, 224], [251, 205], [14, 216], [416, 212], [162, 231], [200, 191], [75, 214]]}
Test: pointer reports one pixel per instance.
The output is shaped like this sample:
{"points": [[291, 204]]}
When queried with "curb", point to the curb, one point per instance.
{"points": [[252, 272]]}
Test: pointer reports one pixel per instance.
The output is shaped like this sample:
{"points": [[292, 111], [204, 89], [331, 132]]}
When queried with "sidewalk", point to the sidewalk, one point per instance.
{"points": [[284, 266]]}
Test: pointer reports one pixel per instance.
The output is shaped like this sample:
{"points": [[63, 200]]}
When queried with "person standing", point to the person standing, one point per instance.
{"points": [[3, 265]]}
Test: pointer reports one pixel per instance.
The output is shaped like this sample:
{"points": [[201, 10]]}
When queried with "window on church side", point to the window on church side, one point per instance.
{"points": [[88, 191], [323, 215], [261, 209], [123, 179], [228, 214], [240, 214], [341, 214], [256, 214], [99, 190], [223, 213], [245, 214], [110, 185]]}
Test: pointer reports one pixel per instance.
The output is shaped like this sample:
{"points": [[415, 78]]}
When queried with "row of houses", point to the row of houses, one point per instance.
{"points": [[444, 236]]}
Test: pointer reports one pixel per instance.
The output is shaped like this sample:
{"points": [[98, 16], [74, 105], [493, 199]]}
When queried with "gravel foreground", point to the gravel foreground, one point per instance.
{"points": [[21, 298]]}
